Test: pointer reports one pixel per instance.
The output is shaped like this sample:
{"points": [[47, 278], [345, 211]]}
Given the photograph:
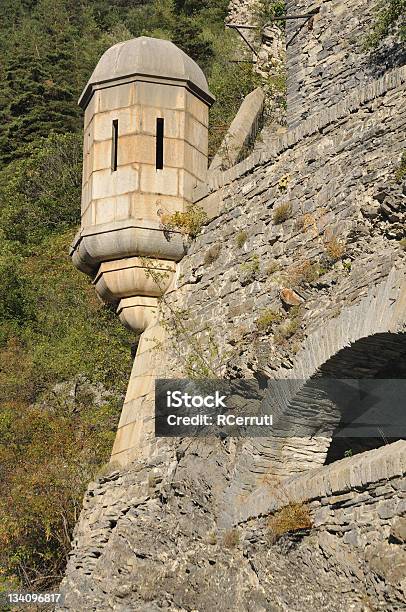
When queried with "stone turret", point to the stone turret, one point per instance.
{"points": [[145, 150]]}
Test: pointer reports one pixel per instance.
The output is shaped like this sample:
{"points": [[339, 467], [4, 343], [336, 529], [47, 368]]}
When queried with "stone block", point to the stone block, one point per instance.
{"points": [[187, 183], [387, 509], [113, 98], [160, 182], [152, 206], [352, 537], [112, 209], [193, 161], [174, 126], [128, 123], [105, 183], [160, 96], [196, 108], [195, 133], [398, 529], [102, 155]]}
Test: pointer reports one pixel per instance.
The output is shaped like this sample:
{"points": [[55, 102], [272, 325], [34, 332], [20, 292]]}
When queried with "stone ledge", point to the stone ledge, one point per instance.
{"points": [[350, 474], [353, 102]]}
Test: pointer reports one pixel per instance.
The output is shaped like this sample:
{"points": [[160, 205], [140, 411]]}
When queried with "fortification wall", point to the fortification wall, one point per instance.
{"points": [[326, 55], [331, 176], [148, 538], [338, 252], [310, 230]]}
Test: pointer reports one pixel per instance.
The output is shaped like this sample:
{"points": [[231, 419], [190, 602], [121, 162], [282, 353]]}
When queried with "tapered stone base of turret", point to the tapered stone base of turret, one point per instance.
{"points": [[135, 437]]}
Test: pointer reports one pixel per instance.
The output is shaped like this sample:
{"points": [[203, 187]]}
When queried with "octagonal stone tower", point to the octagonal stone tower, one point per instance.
{"points": [[145, 150]]}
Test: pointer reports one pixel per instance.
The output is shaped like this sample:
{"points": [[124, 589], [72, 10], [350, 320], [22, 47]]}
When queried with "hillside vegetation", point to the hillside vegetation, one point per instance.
{"points": [[64, 357], [52, 327]]}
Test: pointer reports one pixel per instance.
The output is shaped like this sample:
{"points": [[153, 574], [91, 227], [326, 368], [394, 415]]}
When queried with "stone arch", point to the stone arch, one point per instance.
{"points": [[372, 329], [380, 318]]}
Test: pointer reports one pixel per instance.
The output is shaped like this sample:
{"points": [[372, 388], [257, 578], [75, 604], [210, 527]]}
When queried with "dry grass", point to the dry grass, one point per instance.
{"points": [[282, 213], [231, 538], [267, 318], [306, 272], [212, 254], [272, 267], [335, 249], [241, 239], [286, 330], [290, 518], [189, 222]]}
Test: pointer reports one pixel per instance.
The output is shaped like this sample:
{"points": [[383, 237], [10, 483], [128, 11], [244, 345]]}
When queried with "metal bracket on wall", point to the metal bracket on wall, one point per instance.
{"points": [[239, 27]]}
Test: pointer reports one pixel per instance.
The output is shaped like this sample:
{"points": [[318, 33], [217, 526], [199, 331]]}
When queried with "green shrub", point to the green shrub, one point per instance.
{"points": [[189, 222], [47, 455], [230, 82], [270, 9], [251, 267], [389, 19], [40, 194], [267, 319]]}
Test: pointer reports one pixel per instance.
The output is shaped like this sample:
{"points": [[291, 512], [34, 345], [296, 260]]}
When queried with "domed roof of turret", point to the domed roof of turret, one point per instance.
{"points": [[150, 57]]}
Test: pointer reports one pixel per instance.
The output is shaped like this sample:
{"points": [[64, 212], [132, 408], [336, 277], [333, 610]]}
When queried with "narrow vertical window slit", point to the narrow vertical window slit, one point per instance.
{"points": [[159, 144], [114, 145]]}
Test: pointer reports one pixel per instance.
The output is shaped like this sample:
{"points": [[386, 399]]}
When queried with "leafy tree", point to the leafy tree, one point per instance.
{"points": [[40, 193], [188, 37], [48, 454]]}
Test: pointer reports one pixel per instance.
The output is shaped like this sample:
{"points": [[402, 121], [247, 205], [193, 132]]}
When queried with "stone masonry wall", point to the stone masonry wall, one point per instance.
{"points": [[331, 178], [335, 175], [310, 233], [327, 57], [148, 538]]}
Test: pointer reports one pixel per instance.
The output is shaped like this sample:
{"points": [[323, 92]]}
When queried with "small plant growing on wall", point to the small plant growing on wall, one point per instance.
{"points": [[284, 182], [212, 254], [273, 267], [286, 330], [335, 249], [241, 239], [290, 518], [282, 213], [252, 265], [231, 538], [400, 172], [189, 222], [267, 319]]}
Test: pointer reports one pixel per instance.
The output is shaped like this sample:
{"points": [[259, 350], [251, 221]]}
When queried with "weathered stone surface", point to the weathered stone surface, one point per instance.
{"points": [[185, 525], [150, 536]]}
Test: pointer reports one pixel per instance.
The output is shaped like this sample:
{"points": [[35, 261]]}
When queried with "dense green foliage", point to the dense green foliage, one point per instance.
{"points": [[390, 19], [53, 329]]}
